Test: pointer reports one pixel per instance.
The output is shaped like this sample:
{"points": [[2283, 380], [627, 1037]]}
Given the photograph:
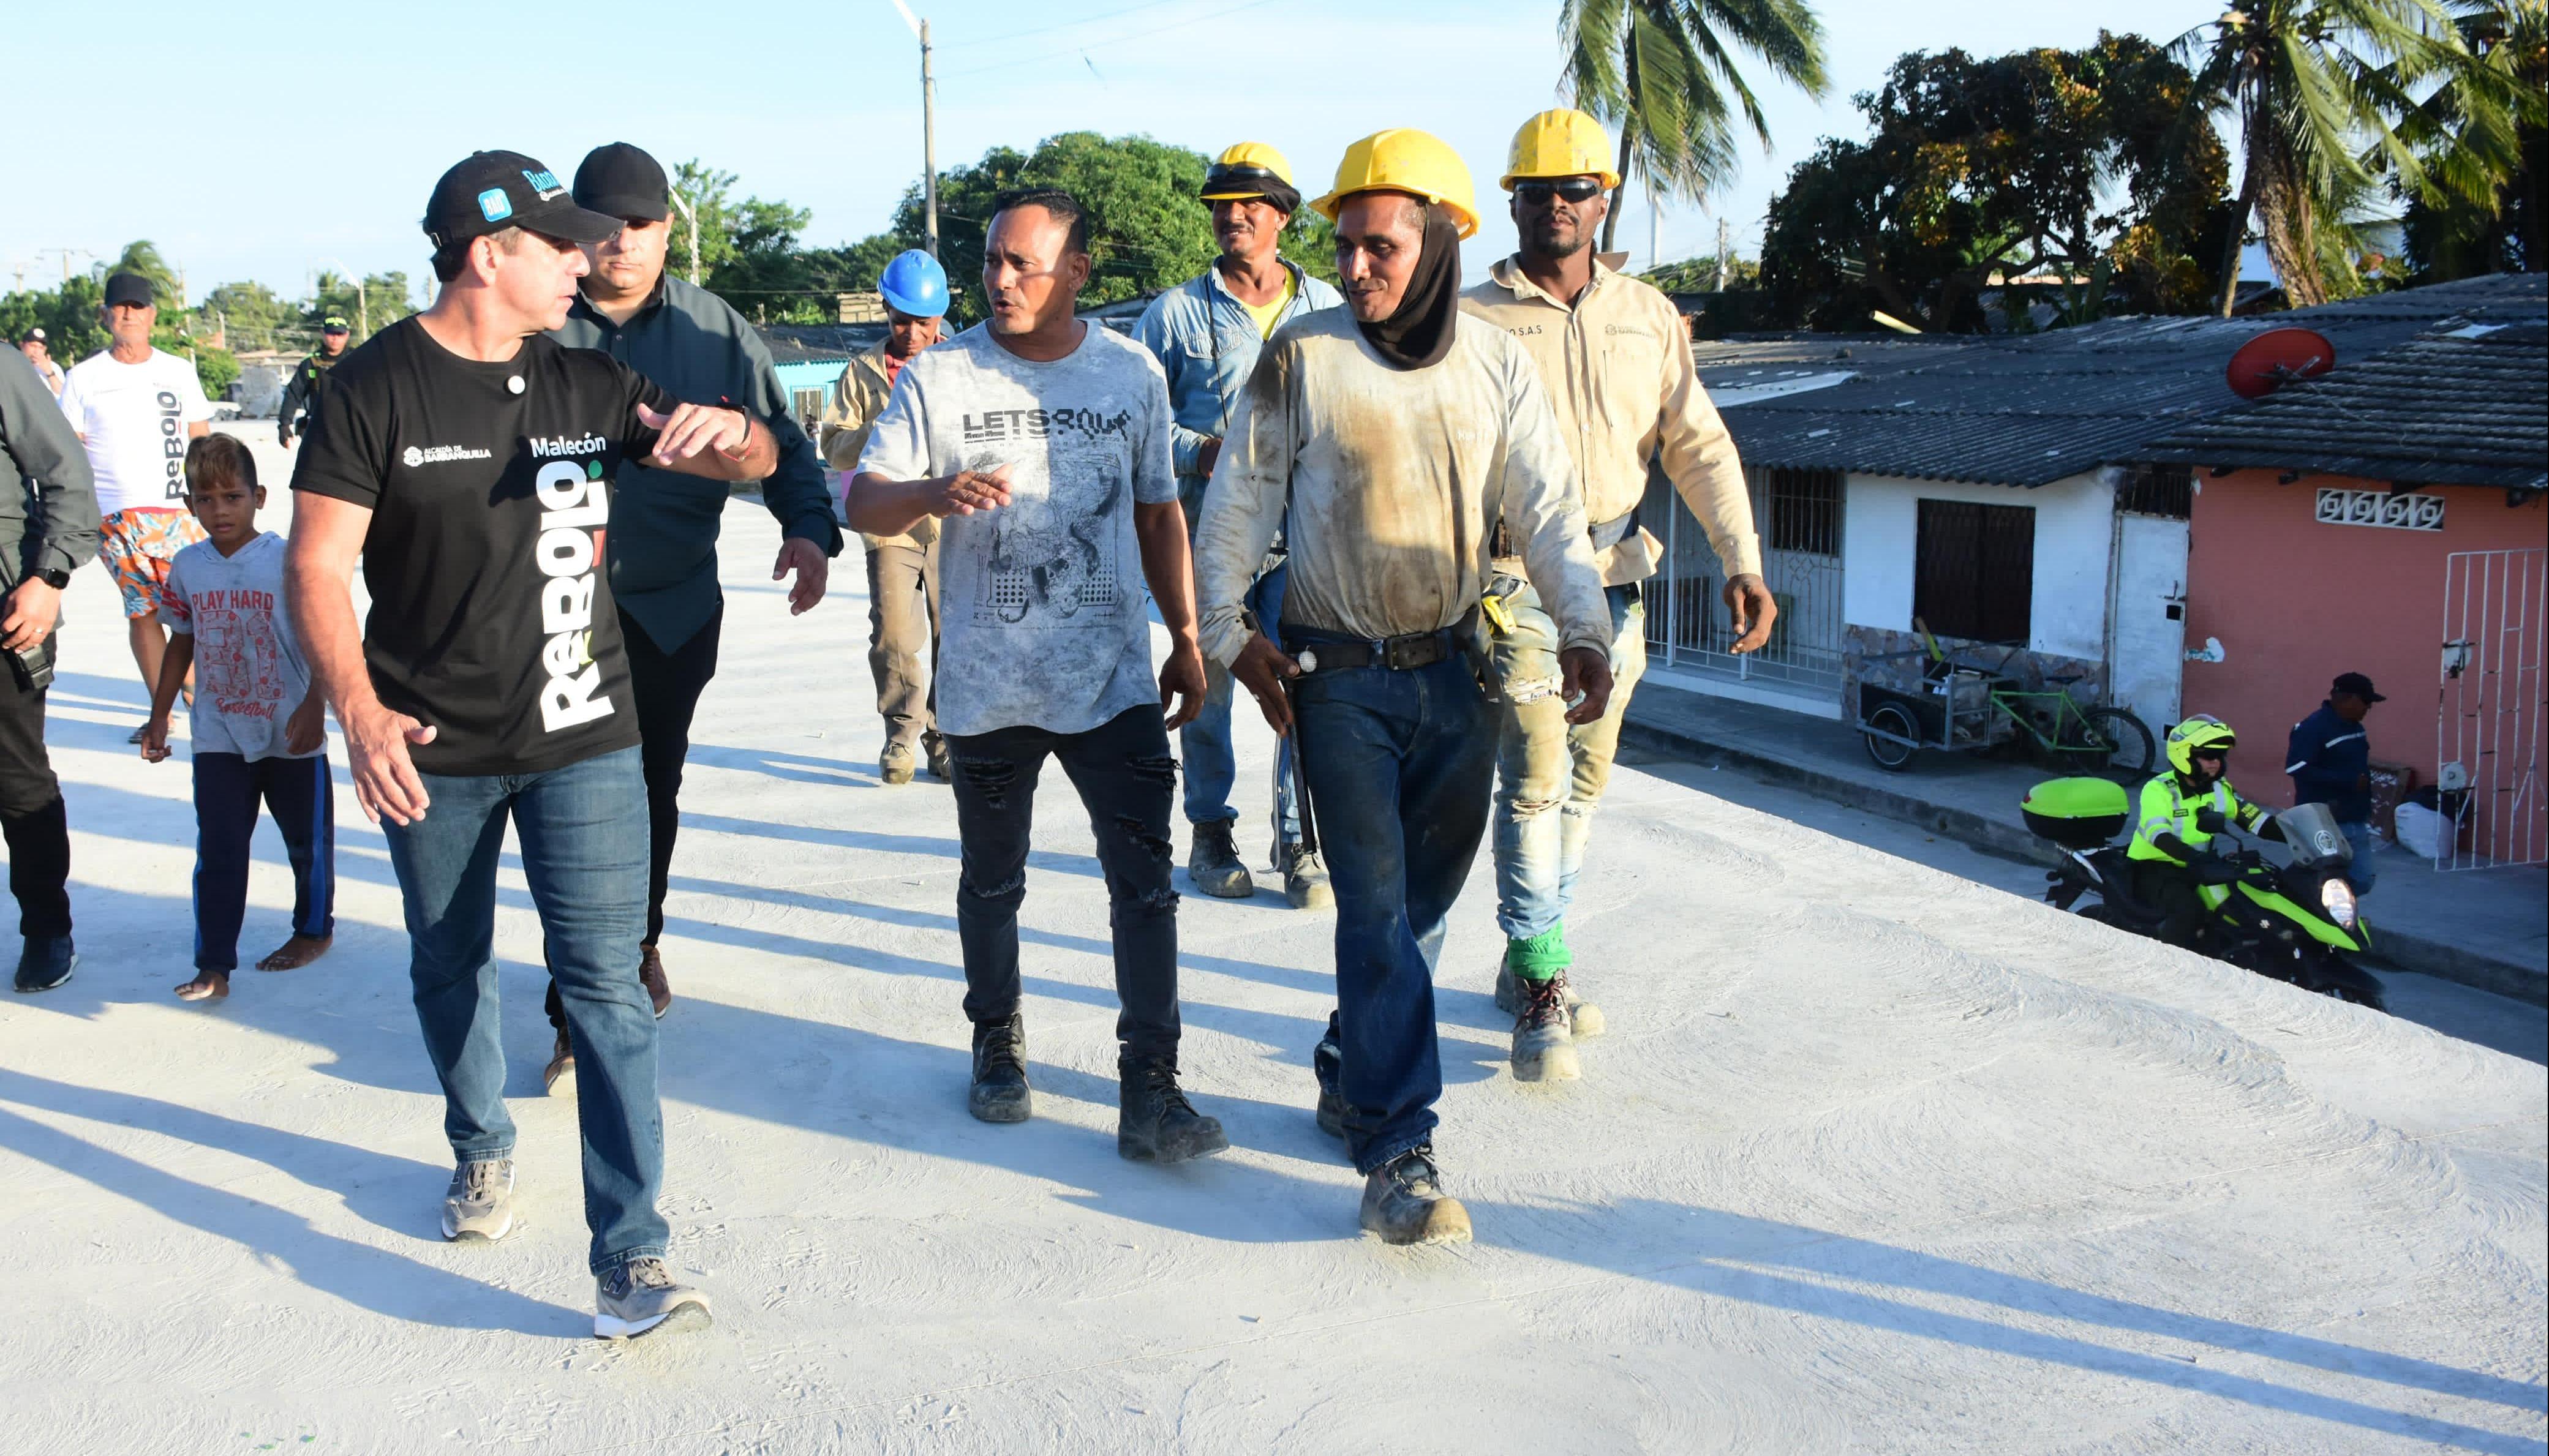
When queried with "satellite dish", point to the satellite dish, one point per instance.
{"points": [[2278, 357]]}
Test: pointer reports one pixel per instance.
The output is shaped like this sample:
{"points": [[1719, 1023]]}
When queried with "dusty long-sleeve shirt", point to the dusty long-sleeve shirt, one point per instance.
{"points": [[850, 416], [1387, 483], [1621, 380], [48, 501]]}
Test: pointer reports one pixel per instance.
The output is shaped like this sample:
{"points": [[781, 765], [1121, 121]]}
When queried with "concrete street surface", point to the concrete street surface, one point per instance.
{"points": [[1874, 1157]]}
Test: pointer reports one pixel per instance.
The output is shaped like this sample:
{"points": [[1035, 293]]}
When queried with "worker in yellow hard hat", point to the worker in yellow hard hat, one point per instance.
{"points": [[1383, 439], [1206, 332], [1617, 362]]}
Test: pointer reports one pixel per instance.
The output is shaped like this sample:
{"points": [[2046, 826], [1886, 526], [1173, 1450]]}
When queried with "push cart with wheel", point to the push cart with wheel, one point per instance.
{"points": [[1964, 705]]}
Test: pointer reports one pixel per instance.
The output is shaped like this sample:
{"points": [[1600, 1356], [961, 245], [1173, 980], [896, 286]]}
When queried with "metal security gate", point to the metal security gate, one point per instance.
{"points": [[1798, 513], [2486, 749]]}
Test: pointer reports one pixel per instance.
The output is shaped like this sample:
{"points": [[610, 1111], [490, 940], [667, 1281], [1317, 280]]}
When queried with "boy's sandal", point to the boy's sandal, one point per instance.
{"points": [[205, 988]]}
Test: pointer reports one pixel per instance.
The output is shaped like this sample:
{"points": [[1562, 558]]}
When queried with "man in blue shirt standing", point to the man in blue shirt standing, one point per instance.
{"points": [[664, 527], [1206, 332], [2330, 761]]}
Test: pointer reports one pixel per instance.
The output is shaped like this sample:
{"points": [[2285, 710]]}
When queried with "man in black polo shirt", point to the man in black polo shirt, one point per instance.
{"points": [[468, 462], [664, 527]]}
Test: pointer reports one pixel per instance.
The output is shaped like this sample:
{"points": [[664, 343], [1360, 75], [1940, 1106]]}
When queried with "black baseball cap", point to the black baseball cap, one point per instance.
{"points": [[130, 288], [623, 181], [2357, 686], [335, 324], [492, 190]]}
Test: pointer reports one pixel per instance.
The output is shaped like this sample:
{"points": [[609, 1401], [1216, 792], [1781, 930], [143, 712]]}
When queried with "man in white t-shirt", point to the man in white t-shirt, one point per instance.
{"points": [[39, 350], [1040, 444], [134, 408]]}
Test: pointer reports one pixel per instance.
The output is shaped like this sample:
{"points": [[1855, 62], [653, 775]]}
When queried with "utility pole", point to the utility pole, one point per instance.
{"points": [[1722, 246], [1654, 227], [929, 133], [690, 215]]}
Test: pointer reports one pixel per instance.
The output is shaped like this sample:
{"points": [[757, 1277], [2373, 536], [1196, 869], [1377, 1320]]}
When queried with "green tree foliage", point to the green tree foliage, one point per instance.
{"points": [[250, 316], [2319, 88], [2063, 165], [1663, 73], [380, 302], [143, 257], [67, 314], [2484, 140], [1699, 275]]}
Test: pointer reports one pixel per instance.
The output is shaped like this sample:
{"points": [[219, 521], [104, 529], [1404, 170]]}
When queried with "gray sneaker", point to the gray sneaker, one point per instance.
{"points": [[479, 1209], [641, 1296]]}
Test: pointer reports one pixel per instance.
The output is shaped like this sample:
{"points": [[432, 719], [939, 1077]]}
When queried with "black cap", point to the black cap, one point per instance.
{"points": [[130, 288], [492, 190], [335, 324], [623, 181], [33, 337], [2357, 686]]}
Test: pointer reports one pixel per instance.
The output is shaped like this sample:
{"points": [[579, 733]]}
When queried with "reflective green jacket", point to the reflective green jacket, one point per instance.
{"points": [[2167, 808]]}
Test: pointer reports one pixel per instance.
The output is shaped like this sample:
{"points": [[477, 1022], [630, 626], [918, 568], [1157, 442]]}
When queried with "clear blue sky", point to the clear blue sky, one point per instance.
{"points": [[253, 150]]}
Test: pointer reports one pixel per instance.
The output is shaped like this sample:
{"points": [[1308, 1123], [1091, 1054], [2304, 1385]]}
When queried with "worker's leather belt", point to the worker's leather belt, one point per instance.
{"points": [[1503, 544], [1329, 652]]}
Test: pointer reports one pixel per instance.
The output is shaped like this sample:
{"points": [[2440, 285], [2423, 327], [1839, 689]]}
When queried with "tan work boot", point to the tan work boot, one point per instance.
{"points": [[1404, 1203]]}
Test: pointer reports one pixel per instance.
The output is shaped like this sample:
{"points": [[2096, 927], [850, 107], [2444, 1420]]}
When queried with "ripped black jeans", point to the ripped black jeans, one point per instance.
{"points": [[1127, 782]]}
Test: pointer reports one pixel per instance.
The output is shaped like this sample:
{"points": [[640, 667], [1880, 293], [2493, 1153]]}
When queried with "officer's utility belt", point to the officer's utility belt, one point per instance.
{"points": [[1330, 652], [1503, 544]]}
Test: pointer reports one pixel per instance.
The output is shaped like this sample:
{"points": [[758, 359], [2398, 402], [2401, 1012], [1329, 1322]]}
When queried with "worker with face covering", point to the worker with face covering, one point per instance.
{"points": [[1385, 439]]}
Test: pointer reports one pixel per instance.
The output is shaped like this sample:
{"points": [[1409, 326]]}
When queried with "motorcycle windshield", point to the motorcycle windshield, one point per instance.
{"points": [[2310, 831]]}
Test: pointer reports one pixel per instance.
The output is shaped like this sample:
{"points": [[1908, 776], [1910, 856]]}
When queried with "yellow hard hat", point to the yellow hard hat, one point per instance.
{"points": [[1241, 171], [1563, 143], [1403, 159]]}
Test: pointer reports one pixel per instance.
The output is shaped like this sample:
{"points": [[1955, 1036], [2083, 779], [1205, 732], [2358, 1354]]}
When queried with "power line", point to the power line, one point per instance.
{"points": [[1093, 44], [1065, 26]]}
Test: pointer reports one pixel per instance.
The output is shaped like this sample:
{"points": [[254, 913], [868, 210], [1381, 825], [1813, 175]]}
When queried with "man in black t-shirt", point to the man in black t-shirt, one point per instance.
{"points": [[468, 462]]}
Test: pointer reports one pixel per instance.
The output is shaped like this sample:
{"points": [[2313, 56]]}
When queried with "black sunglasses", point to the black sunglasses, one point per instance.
{"points": [[1573, 189]]}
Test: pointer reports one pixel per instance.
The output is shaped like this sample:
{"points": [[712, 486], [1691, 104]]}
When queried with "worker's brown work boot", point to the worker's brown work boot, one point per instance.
{"points": [[650, 974]]}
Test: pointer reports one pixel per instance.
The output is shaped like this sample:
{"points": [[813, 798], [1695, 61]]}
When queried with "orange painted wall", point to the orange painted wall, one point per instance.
{"points": [[2296, 602]]}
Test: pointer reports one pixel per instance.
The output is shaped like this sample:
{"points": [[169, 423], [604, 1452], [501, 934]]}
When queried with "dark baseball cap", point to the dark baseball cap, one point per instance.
{"points": [[492, 190], [335, 324], [623, 181], [2357, 686], [130, 288], [34, 337]]}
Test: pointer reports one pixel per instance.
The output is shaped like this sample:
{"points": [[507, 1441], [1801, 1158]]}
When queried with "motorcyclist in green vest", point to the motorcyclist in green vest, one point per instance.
{"points": [[2181, 811], [310, 381]]}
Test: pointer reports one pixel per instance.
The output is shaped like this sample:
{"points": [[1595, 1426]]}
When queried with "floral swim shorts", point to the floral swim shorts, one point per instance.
{"points": [[137, 545]]}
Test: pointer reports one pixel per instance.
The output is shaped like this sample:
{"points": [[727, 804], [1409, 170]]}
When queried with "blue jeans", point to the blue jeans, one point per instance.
{"points": [[1211, 770], [2359, 872], [1399, 765], [300, 795], [584, 839], [1550, 774]]}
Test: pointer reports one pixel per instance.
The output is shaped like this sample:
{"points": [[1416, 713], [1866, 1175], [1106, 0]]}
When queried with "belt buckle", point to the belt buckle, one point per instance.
{"points": [[1385, 652]]}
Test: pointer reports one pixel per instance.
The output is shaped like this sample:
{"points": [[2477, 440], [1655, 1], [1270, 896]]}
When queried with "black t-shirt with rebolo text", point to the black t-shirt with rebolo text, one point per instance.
{"points": [[490, 491]]}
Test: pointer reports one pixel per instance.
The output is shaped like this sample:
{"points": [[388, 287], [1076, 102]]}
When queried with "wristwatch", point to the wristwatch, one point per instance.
{"points": [[54, 577]]}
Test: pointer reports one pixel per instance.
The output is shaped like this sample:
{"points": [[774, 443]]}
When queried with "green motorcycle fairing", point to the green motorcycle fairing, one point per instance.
{"points": [[2322, 930]]}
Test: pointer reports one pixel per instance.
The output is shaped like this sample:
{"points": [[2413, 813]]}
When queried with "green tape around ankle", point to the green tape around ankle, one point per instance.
{"points": [[1541, 956]]}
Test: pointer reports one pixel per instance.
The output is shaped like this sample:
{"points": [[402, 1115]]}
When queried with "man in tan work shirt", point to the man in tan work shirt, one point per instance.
{"points": [[1617, 361], [902, 571], [1384, 439]]}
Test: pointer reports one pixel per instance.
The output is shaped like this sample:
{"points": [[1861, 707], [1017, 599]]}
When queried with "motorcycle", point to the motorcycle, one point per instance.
{"points": [[2297, 922]]}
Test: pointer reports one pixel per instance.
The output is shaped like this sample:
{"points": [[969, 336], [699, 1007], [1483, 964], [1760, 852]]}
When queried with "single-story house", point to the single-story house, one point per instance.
{"points": [[1985, 486], [811, 358], [2387, 519]]}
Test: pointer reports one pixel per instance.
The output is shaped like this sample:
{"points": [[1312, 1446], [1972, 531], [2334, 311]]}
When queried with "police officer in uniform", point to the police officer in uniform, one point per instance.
{"points": [[309, 382]]}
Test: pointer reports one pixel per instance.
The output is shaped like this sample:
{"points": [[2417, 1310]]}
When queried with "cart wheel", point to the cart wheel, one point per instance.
{"points": [[2127, 753], [1890, 718]]}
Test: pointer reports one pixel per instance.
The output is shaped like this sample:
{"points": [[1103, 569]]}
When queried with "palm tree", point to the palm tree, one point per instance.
{"points": [[2481, 136], [2318, 85], [143, 257], [1662, 73]]}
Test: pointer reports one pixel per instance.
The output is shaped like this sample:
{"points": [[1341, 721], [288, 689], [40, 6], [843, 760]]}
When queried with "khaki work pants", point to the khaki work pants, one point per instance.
{"points": [[902, 638]]}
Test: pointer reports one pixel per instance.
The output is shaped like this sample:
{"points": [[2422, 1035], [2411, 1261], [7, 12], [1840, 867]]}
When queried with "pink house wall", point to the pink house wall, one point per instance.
{"points": [[2297, 601]]}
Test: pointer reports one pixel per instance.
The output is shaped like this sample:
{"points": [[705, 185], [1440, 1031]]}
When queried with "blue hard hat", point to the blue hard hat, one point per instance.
{"points": [[914, 284]]}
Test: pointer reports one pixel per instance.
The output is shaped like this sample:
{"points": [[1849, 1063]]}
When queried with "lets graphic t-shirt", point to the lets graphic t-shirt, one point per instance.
{"points": [[1041, 601], [133, 420], [250, 675], [490, 492]]}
